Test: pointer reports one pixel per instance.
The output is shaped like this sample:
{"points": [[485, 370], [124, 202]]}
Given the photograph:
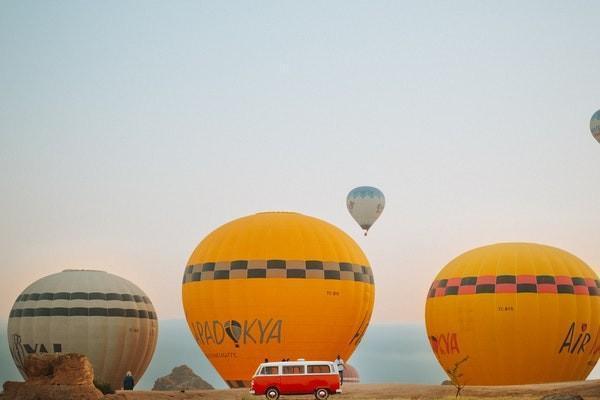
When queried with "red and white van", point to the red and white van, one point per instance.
{"points": [[320, 378]]}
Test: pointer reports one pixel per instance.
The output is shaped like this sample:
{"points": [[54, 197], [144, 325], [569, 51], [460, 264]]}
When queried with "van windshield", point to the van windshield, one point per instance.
{"points": [[269, 371], [319, 369]]}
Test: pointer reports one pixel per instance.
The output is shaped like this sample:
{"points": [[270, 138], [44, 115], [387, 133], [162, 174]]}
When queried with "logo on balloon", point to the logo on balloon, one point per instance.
{"points": [[575, 340], [350, 205], [20, 350], [17, 351], [254, 331], [233, 330], [446, 343]]}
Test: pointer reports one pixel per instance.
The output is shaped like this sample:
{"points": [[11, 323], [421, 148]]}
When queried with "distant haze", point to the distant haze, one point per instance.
{"points": [[387, 353]]}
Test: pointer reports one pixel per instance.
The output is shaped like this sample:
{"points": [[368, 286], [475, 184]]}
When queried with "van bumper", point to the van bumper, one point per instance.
{"points": [[252, 391], [338, 391]]}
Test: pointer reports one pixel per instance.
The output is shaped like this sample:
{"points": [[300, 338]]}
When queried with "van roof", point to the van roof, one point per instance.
{"points": [[275, 363]]}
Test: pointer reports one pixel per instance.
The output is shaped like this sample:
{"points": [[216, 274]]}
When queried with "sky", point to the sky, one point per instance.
{"points": [[130, 130]]}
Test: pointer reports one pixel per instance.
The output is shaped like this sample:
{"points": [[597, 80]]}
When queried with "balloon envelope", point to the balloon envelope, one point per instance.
{"points": [[275, 286], [100, 315], [595, 125], [351, 374], [515, 313], [365, 204]]}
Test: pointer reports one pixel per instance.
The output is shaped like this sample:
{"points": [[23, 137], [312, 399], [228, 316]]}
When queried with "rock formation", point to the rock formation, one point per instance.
{"points": [[181, 378], [66, 369], [562, 396], [54, 377]]}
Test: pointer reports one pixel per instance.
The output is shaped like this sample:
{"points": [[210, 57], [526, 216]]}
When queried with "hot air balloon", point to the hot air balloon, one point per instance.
{"points": [[351, 374], [276, 285], [100, 315], [595, 125], [515, 313], [365, 204]]}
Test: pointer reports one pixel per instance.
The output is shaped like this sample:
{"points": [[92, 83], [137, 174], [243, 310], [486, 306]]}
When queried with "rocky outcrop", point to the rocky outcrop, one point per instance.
{"points": [[65, 369], [181, 378], [562, 396], [23, 391], [54, 377]]}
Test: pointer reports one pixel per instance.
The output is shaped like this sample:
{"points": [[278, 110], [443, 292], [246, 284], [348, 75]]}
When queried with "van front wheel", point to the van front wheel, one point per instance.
{"points": [[321, 394], [272, 394]]}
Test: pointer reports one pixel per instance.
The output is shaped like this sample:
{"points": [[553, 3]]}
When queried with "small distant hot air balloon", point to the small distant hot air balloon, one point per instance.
{"points": [[595, 125], [101, 315], [365, 204]]}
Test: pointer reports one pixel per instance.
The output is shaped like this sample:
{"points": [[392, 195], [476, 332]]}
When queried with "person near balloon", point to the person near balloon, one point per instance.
{"points": [[340, 366], [128, 381]]}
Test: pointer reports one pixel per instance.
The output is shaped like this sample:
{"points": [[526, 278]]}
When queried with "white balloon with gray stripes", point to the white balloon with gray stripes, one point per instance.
{"points": [[95, 313], [365, 204]]}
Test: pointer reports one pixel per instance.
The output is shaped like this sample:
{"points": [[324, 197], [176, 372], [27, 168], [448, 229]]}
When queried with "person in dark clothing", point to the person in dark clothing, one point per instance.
{"points": [[128, 382]]}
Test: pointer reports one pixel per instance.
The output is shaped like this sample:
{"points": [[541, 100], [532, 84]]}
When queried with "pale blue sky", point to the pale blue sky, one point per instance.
{"points": [[130, 130]]}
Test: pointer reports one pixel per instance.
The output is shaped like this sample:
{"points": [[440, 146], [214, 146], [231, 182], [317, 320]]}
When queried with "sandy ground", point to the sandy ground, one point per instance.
{"points": [[586, 389]]}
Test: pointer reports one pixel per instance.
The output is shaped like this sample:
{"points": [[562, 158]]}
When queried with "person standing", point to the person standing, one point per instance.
{"points": [[128, 381], [340, 365]]}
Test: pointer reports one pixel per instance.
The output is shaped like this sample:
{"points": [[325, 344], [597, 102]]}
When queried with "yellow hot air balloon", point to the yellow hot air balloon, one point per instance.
{"points": [[273, 286], [515, 313]]}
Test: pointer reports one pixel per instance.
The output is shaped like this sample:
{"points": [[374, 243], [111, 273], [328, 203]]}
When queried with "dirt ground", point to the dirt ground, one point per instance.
{"points": [[389, 391]]}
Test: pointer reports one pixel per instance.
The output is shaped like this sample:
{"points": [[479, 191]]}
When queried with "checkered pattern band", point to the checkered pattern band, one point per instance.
{"points": [[290, 269], [515, 284]]}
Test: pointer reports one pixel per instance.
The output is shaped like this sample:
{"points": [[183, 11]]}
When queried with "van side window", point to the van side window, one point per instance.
{"points": [[293, 370], [269, 371], [319, 369]]}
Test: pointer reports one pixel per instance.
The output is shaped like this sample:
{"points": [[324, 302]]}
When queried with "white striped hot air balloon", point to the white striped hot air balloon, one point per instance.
{"points": [[595, 125], [107, 318], [365, 204]]}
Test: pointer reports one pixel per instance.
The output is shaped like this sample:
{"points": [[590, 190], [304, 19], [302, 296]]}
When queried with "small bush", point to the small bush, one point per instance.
{"points": [[455, 376], [104, 387]]}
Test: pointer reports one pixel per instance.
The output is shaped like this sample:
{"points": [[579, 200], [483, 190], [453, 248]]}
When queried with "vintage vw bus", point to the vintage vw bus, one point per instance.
{"points": [[320, 378]]}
